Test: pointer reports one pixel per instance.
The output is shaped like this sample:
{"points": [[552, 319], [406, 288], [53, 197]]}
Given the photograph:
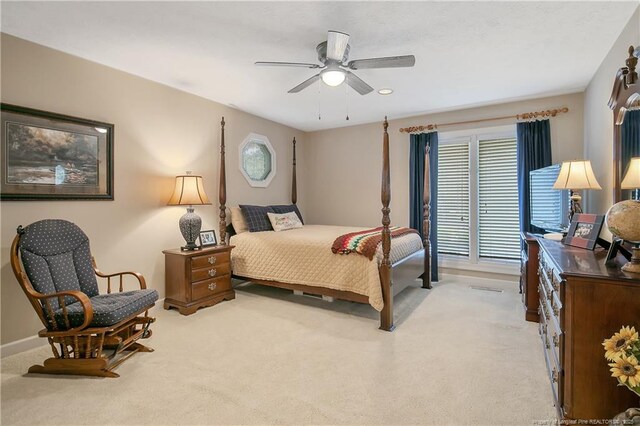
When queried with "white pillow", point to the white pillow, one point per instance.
{"points": [[284, 221], [238, 221]]}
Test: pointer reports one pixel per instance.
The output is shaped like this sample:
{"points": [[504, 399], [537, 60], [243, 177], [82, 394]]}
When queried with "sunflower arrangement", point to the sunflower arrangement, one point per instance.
{"points": [[623, 350]]}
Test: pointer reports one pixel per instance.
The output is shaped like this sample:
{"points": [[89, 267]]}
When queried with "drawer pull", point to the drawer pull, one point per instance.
{"points": [[212, 272], [212, 286], [556, 341], [211, 260]]}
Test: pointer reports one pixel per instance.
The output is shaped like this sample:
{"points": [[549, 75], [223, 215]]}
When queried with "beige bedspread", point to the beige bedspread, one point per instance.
{"points": [[303, 256]]}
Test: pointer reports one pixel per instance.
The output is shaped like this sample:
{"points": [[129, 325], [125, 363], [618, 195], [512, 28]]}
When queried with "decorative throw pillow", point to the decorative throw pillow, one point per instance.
{"points": [[256, 217], [282, 222], [237, 220], [287, 209]]}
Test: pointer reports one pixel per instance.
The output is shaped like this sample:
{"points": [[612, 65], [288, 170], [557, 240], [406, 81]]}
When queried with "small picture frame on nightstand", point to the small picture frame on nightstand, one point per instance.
{"points": [[208, 238]]}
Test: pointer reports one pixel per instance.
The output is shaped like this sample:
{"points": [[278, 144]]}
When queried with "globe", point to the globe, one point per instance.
{"points": [[623, 220]]}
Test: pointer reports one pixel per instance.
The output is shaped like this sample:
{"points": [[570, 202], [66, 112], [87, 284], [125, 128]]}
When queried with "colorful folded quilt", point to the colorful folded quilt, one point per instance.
{"points": [[366, 242]]}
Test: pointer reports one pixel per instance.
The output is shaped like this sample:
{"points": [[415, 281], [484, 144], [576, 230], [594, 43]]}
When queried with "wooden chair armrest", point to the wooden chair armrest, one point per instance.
{"points": [[140, 277], [82, 298]]}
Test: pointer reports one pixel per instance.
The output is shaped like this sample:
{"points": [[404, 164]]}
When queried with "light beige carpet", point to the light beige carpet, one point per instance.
{"points": [[459, 356]]}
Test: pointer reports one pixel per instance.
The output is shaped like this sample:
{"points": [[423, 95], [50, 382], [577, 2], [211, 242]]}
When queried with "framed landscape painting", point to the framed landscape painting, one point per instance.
{"points": [[48, 156]]}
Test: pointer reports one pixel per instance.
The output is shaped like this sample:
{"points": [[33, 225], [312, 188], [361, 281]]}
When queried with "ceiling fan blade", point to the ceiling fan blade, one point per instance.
{"points": [[336, 45], [287, 64], [308, 82], [388, 62], [357, 83]]}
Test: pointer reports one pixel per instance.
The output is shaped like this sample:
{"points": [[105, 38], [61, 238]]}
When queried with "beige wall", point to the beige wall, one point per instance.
{"points": [[598, 118], [344, 165], [159, 132]]}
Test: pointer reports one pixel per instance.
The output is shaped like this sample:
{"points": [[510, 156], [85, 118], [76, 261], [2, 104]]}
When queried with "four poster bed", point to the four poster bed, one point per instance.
{"points": [[301, 259]]}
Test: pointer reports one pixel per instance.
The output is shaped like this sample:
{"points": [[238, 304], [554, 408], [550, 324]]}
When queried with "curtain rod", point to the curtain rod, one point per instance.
{"points": [[525, 116]]}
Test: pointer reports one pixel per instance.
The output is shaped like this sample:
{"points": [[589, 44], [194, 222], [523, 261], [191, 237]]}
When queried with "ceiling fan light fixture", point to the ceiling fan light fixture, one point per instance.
{"points": [[333, 78], [385, 91]]}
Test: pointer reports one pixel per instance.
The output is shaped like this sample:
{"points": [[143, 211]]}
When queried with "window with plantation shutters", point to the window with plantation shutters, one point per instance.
{"points": [[453, 198], [478, 214], [498, 223]]}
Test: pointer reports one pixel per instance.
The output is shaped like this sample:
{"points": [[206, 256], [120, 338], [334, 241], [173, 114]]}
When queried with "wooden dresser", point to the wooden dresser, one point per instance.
{"points": [[529, 275], [582, 302], [199, 278]]}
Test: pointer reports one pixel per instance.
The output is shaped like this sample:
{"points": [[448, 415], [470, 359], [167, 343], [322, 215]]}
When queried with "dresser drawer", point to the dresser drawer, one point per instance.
{"points": [[211, 271], [212, 259], [555, 377], [210, 287]]}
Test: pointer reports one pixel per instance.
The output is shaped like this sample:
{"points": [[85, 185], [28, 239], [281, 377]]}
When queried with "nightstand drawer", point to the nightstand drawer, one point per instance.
{"points": [[211, 287], [212, 271], [212, 259], [196, 279]]}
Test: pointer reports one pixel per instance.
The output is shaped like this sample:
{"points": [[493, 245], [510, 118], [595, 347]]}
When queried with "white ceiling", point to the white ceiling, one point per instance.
{"points": [[466, 53]]}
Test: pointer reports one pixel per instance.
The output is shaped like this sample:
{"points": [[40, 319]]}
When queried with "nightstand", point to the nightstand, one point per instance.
{"points": [[199, 278]]}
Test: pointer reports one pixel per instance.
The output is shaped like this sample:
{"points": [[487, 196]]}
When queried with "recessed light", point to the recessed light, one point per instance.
{"points": [[385, 91]]}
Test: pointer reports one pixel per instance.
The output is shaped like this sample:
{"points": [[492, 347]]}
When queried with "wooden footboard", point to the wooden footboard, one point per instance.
{"points": [[393, 278], [404, 273]]}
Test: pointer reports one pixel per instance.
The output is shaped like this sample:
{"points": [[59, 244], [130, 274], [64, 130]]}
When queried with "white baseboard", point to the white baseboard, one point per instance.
{"points": [[33, 342], [21, 345]]}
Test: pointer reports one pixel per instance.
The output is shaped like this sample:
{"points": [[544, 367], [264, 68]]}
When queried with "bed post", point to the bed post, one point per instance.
{"points": [[426, 223], [294, 184], [222, 191], [386, 316]]}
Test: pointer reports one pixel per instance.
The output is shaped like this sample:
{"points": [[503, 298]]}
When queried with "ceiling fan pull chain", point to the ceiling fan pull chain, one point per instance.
{"points": [[346, 94], [319, 89]]}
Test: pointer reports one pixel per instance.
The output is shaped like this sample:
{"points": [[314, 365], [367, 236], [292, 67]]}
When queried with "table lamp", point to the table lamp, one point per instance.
{"points": [[189, 191], [623, 218], [632, 178], [576, 175]]}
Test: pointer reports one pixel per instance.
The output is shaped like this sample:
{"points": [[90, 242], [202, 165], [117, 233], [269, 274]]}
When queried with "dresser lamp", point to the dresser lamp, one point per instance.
{"points": [[623, 218], [632, 178], [189, 191], [575, 175]]}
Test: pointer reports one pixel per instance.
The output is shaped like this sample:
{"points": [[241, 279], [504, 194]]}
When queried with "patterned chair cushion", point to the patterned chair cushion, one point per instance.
{"points": [[56, 257], [287, 209], [109, 309], [256, 217]]}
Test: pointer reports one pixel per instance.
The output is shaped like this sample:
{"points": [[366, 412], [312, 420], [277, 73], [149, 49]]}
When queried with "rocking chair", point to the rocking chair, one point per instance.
{"points": [[89, 333]]}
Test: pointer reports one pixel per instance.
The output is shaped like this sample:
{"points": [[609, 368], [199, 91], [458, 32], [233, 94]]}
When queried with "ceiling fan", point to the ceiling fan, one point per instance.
{"points": [[334, 54]]}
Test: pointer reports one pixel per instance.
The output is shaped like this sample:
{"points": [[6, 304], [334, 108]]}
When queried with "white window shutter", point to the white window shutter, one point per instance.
{"points": [[453, 199], [498, 223]]}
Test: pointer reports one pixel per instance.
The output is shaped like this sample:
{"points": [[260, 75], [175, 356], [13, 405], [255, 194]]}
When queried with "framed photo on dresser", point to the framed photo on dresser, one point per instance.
{"points": [[584, 230]]}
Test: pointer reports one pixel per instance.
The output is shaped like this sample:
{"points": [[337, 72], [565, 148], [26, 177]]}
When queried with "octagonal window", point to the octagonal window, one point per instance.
{"points": [[257, 160]]}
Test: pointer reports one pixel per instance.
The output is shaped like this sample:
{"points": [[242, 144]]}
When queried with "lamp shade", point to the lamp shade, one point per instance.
{"points": [[576, 175], [189, 190], [632, 178]]}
